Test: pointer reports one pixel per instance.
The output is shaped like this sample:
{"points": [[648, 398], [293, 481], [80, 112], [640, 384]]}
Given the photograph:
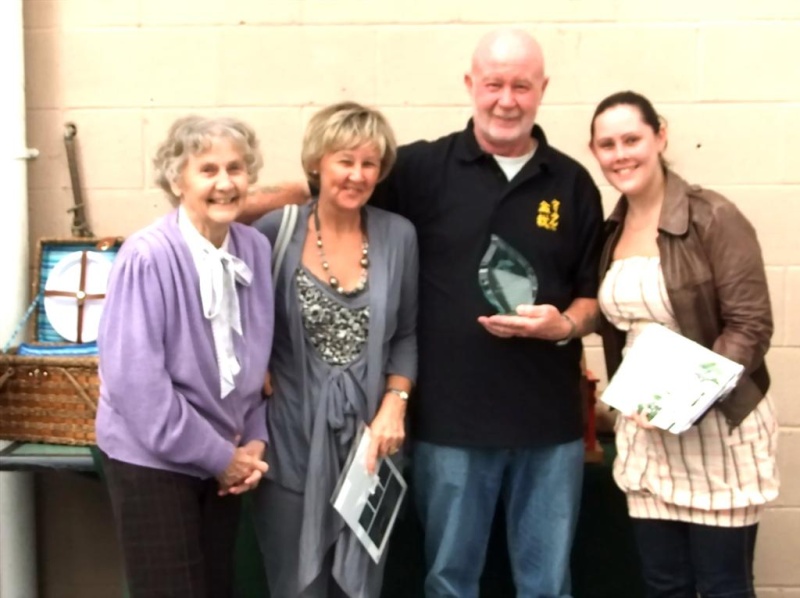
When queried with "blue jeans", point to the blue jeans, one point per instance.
{"points": [[456, 491], [680, 560]]}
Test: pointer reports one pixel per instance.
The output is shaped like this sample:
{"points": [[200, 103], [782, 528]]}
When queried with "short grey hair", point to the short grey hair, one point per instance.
{"points": [[347, 125], [192, 135]]}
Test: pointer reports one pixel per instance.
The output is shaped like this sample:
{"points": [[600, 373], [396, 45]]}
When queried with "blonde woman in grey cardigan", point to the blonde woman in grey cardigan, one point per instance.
{"points": [[344, 352]]}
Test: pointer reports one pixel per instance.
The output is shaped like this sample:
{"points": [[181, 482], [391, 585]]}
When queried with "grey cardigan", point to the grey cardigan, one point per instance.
{"points": [[302, 455]]}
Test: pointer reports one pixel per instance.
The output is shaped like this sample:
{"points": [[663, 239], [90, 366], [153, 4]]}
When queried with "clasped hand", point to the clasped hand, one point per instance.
{"points": [[531, 321], [245, 470]]}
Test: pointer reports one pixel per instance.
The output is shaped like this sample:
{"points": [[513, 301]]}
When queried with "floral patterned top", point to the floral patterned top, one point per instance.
{"points": [[337, 329]]}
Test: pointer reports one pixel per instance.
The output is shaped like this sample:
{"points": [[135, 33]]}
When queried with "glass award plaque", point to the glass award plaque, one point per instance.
{"points": [[507, 279]]}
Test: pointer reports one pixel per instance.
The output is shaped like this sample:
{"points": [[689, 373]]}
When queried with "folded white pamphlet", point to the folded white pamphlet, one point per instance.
{"points": [[369, 503], [670, 379]]}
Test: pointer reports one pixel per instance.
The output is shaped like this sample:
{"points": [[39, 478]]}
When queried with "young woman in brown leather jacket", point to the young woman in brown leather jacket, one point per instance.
{"points": [[686, 258]]}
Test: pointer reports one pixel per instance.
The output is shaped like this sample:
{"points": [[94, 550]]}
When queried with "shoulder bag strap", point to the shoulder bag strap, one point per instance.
{"points": [[288, 222]]}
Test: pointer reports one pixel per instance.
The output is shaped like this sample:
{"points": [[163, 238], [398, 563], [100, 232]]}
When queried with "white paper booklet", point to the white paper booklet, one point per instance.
{"points": [[670, 379], [369, 503]]}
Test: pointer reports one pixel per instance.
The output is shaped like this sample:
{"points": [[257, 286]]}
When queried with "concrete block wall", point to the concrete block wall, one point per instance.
{"points": [[724, 73]]}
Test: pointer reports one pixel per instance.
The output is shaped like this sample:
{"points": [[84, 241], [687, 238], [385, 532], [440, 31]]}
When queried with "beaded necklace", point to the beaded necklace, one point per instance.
{"points": [[363, 262]]}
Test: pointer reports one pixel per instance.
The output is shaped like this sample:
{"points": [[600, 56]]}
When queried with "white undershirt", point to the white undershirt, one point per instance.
{"points": [[512, 165]]}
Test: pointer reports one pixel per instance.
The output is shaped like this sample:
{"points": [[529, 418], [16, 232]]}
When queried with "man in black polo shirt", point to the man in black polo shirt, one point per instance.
{"points": [[497, 410]]}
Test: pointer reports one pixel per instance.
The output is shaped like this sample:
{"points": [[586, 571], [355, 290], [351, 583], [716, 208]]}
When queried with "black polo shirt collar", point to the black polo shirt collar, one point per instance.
{"points": [[468, 150]]}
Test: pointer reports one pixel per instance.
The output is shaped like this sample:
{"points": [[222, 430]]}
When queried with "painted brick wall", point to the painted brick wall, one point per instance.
{"points": [[724, 73]]}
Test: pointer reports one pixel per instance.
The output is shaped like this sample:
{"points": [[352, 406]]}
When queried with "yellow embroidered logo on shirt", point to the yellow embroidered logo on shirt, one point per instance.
{"points": [[547, 217]]}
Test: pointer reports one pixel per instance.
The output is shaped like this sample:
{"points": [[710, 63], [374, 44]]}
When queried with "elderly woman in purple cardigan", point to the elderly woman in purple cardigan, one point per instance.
{"points": [[184, 343]]}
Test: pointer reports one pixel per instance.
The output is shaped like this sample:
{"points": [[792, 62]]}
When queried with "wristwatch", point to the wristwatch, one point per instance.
{"points": [[400, 393]]}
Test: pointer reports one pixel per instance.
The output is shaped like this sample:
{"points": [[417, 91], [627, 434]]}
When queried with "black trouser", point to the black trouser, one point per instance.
{"points": [[177, 535], [682, 560]]}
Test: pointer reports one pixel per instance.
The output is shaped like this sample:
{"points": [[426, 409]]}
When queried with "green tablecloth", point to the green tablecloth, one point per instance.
{"points": [[29, 456]]}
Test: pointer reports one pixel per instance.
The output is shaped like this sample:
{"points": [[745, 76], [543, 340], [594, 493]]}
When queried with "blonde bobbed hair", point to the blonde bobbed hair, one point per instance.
{"points": [[346, 125]]}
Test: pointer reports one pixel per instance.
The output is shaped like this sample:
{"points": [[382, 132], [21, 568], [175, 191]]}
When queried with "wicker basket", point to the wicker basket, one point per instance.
{"points": [[50, 398]]}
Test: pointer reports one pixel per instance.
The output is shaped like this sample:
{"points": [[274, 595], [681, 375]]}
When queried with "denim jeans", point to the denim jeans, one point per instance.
{"points": [[456, 491], [682, 560]]}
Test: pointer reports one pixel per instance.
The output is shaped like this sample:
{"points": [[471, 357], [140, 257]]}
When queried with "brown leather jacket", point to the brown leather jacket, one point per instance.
{"points": [[715, 280]]}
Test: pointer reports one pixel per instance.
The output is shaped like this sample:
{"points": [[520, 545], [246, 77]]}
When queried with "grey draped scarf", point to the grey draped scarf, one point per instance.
{"points": [[342, 406]]}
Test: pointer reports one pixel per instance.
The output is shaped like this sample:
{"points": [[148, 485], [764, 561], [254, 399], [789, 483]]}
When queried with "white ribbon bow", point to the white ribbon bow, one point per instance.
{"points": [[221, 306]]}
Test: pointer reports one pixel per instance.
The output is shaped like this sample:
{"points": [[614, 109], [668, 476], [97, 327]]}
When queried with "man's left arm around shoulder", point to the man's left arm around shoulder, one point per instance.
{"points": [[261, 200], [546, 322]]}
